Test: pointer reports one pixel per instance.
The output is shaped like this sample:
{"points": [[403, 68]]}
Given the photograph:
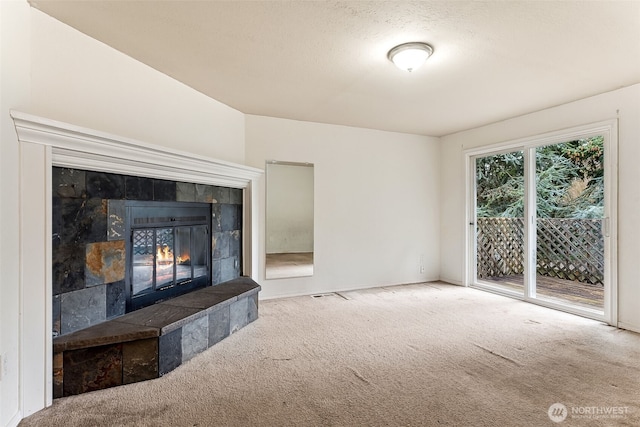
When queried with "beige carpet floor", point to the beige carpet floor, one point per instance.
{"points": [[414, 355]]}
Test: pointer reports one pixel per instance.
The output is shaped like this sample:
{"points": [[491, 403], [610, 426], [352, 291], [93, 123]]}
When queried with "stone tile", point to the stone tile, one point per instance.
{"points": [[204, 193], [115, 220], [235, 196], [105, 333], [229, 268], [67, 265], [216, 218], [55, 324], [56, 222], [68, 225], [239, 217], [195, 338], [229, 217], [116, 299], [166, 317], [94, 220], [105, 262], [238, 315], [92, 369], [189, 306], [202, 299], [79, 220], [220, 245], [252, 308], [164, 191], [170, 351], [214, 244], [137, 188], [139, 360], [218, 325], [83, 308], [235, 243], [216, 272], [242, 286], [105, 185], [68, 182], [185, 192], [221, 194], [58, 375]]}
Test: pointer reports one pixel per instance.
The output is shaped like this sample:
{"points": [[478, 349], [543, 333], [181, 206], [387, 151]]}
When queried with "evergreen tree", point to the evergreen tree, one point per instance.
{"points": [[569, 181]]}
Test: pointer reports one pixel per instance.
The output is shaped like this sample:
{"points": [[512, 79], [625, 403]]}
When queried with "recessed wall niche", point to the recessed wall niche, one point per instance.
{"points": [[88, 241]]}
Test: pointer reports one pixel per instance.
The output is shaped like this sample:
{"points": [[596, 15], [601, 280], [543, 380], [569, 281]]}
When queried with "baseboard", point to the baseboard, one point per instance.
{"points": [[451, 281], [316, 291], [13, 422], [628, 327], [355, 288]]}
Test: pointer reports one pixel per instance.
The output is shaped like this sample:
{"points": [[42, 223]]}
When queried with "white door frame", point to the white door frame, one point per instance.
{"points": [[608, 129]]}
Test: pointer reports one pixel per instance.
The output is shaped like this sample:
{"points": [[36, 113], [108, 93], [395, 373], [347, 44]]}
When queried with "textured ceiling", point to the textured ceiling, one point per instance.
{"points": [[326, 61]]}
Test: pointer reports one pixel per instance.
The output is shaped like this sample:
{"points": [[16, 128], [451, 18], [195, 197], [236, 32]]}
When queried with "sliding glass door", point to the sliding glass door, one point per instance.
{"points": [[569, 179], [539, 221], [499, 200]]}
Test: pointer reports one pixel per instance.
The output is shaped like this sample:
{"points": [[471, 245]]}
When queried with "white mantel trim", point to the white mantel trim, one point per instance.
{"points": [[45, 143], [82, 148]]}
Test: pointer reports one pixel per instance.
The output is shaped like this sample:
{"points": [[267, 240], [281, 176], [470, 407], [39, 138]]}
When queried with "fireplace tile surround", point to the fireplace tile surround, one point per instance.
{"points": [[88, 246]]}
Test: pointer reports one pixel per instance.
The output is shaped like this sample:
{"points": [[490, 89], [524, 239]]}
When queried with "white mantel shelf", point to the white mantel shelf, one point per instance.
{"points": [[81, 148]]}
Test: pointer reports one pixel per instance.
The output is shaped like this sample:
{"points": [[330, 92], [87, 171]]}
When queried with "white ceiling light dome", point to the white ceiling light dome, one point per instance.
{"points": [[410, 56]]}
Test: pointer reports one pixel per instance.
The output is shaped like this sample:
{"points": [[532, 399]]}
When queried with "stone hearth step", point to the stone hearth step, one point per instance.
{"points": [[152, 341]]}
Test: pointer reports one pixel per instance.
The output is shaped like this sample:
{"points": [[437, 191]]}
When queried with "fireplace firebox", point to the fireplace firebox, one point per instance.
{"points": [[168, 251]]}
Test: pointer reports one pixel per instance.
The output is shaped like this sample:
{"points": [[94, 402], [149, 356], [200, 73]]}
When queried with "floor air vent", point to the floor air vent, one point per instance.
{"points": [[330, 294]]}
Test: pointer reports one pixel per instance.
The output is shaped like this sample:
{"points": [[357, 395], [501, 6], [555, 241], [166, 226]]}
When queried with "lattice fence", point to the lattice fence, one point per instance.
{"points": [[570, 249]]}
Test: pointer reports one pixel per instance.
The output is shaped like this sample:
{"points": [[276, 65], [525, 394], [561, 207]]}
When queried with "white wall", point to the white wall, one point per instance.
{"points": [[14, 93], [78, 80], [624, 104], [289, 208], [376, 202], [52, 70]]}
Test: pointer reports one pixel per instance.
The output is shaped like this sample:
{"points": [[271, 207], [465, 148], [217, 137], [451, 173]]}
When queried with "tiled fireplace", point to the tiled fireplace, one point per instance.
{"points": [[121, 243], [89, 240], [74, 184]]}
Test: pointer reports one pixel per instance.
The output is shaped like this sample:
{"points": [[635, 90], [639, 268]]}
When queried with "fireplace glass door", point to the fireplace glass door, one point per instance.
{"points": [[168, 253]]}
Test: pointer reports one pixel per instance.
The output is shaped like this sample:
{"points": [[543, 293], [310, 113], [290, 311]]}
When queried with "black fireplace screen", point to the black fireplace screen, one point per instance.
{"points": [[169, 250]]}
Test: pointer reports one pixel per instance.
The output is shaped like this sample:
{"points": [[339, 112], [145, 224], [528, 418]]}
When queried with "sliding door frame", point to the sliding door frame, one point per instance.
{"points": [[609, 130]]}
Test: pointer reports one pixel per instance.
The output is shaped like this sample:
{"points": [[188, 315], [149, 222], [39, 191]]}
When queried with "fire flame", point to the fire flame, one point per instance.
{"points": [[165, 255]]}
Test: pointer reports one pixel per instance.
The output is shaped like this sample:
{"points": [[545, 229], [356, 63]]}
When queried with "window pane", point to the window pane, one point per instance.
{"points": [[164, 257], [183, 254], [199, 257], [570, 208], [499, 221], [143, 252]]}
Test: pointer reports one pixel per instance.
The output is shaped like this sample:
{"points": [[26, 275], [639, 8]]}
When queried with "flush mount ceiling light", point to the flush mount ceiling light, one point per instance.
{"points": [[410, 56]]}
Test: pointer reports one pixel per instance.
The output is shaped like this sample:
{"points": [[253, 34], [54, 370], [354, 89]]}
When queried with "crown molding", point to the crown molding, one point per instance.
{"points": [[82, 148]]}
